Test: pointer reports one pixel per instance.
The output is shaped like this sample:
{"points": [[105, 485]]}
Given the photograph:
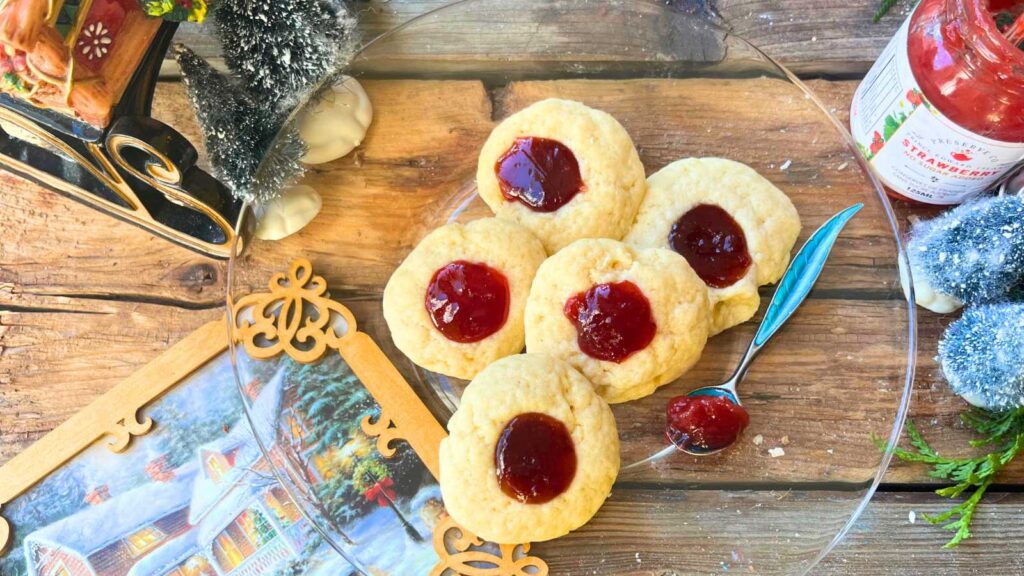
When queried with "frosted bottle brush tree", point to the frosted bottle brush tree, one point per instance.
{"points": [[973, 254], [283, 48], [237, 130], [277, 52]]}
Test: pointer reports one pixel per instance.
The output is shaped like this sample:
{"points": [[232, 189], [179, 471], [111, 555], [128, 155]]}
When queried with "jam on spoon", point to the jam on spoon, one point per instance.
{"points": [[541, 173], [467, 301], [613, 321], [713, 243], [704, 423], [535, 458]]}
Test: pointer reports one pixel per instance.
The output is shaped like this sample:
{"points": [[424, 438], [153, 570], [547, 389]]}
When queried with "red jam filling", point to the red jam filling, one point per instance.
{"points": [[467, 301], [713, 243], [535, 458], [697, 423], [541, 173], [966, 67], [613, 321]]}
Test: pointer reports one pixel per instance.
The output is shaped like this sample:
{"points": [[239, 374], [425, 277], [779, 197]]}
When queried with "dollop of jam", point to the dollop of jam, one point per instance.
{"points": [[467, 301], [713, 243], [697, 423], [541, 173], [535, 458], [613, 321]]}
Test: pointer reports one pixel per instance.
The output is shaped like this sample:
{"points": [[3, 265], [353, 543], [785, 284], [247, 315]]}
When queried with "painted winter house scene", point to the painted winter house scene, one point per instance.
{"points": [[198, 497]]}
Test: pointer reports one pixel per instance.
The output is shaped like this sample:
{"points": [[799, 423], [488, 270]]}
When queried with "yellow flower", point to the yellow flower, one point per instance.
{"points": [[158, 8], [198, 12]]}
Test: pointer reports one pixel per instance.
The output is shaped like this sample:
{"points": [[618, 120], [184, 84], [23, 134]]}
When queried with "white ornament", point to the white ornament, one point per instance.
{"points": [[288, 213], [337, 123]]}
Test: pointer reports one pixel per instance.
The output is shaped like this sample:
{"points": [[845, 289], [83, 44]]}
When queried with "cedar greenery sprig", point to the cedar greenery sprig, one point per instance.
{"points": [[1003, 432], [884, 9]]}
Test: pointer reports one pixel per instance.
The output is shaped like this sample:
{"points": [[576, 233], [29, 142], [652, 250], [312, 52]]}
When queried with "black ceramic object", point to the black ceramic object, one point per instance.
{"points": [[137, 169]]}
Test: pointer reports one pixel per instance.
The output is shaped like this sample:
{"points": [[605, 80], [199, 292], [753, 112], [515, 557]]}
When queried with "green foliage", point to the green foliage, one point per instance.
{"points": [[14, 82], [1003, 433], [883, 9], [333, 403], [175, 10], [61, 494], [181, 434], [865, 151], [892, 123], [367, 473]]}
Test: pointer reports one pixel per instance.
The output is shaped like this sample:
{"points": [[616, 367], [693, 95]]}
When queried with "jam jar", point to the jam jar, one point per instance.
{"points": [[940, 115]]}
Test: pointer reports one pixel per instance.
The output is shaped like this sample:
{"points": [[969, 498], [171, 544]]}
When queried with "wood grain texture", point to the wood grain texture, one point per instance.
{"points": [[85, 300], [419, 150], [739, 532], [811, 37], [885, 543]]}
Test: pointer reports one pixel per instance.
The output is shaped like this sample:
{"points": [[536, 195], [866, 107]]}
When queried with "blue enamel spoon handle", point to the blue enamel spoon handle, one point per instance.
{"points": [[797, 282]]}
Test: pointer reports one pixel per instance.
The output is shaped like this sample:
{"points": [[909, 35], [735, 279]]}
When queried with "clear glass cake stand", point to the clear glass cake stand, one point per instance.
{"points": [[838, 375]]}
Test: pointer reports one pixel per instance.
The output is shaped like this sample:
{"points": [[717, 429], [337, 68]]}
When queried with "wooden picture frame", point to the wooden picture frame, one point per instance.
{"points": [[295, 318]]}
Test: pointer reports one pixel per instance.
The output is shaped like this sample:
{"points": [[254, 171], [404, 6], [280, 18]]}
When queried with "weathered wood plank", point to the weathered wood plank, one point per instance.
{"points": [[885, 542], [420, 149], [750, 533], [809, 36], [58, 354]]}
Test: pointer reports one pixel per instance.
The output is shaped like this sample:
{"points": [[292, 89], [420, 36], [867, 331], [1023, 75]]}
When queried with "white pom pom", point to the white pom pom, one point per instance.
{"points": [[288, 213], [337, 123]]}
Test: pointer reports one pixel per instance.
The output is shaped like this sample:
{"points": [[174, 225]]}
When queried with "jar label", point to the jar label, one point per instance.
{"points": [[913, 148]]}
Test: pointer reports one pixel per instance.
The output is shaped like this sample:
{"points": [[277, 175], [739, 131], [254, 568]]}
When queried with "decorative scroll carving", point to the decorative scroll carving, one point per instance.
{"points": [[125, 429], [463, 554], [296, 317], [385, 430]]}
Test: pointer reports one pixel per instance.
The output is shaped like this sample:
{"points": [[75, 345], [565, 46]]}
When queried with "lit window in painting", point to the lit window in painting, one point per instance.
{"points": [[256, 527], [298, 430], [226, 553], [324, 465], [282, 506], [250, 531], [216, 467], [143, 540]]}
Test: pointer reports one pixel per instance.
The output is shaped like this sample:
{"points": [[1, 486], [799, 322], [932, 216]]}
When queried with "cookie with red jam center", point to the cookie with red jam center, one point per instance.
{"points": [[564, 170], [733, 227], [630, 319], [456, 303], [531, 453]]}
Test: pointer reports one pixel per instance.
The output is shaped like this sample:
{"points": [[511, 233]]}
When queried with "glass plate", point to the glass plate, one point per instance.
{"points": [[838, 374]]}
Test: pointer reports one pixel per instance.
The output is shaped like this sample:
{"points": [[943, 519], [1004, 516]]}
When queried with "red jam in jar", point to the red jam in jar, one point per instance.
{"points": [[467, 301], [713, 243], [701, 423], [541, 173], [613, 321], [535, 458], [940, 116]]}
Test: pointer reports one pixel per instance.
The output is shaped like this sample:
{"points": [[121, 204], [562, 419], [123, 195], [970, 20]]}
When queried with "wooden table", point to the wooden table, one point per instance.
{"points": [[86, 300]]}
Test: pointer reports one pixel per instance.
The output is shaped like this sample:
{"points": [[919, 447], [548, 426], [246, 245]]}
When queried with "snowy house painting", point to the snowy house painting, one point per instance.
{"points": [[114, 533], [243, 519], [197, 497]]}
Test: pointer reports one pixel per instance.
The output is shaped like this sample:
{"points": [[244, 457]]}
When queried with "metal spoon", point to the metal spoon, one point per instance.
{"points": [[790, 293]]}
